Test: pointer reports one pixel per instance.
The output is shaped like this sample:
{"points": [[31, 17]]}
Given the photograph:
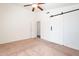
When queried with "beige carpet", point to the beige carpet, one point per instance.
{"points": [[35, 47]]}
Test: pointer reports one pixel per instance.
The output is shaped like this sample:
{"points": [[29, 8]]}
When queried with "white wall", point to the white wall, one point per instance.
{"points": [[71, 28], [15, 23], [46, 22], [34, 24], [65, 27]]}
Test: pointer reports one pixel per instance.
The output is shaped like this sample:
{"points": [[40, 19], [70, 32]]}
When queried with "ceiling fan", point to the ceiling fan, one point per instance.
{"points": [[34, 6]]}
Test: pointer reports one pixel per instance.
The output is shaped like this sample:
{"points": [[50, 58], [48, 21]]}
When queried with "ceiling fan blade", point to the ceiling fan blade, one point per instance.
{"points": [[27, 5], [40, 8], [41, 3], [33, 9]]}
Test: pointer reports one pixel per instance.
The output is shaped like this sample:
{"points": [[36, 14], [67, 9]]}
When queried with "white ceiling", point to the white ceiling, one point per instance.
{"points": [[57, 5], [47, 6]]}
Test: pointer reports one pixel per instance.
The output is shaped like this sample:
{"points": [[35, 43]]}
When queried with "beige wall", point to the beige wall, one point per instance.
{"points": [[15, 23]]}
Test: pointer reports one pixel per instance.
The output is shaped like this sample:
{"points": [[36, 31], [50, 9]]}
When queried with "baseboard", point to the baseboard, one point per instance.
{"points": [[60, 44], [17, 40]]}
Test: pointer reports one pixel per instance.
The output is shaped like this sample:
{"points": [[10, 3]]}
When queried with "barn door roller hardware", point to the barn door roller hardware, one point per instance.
{"points": [[64, 12]]}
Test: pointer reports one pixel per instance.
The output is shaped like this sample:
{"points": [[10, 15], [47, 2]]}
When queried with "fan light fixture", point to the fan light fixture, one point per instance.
{"points": [[34, 5]]}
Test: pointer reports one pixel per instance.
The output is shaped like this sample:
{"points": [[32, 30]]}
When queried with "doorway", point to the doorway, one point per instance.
{"points": [[38, 29]]}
